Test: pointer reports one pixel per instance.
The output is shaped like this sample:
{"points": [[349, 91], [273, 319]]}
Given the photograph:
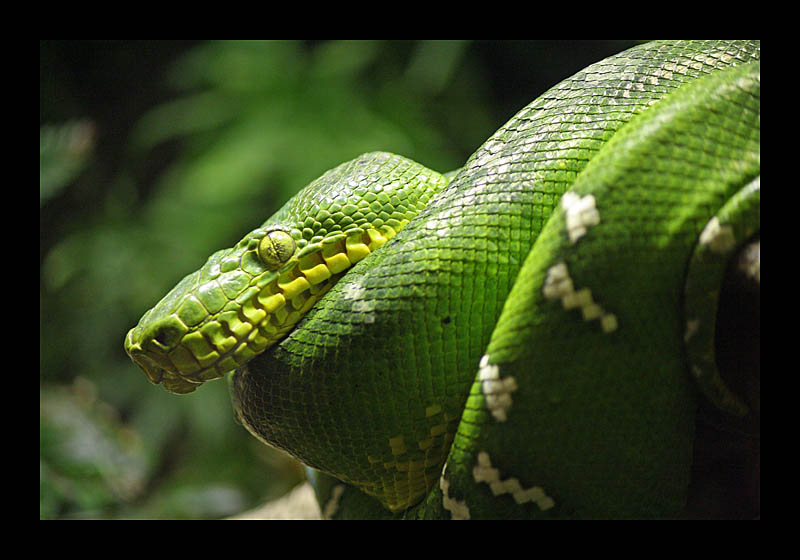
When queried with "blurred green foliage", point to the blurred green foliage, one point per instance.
{"points": [[155, 154]]}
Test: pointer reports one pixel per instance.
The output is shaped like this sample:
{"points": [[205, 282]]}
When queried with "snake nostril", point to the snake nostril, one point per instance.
{"points": [[161, 337], [165, 337]]}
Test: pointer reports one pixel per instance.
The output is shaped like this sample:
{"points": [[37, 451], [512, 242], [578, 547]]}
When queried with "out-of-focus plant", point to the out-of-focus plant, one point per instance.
{"points": [[64, 151]]}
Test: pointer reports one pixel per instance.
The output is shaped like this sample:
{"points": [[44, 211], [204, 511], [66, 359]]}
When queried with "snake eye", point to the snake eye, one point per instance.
{"points": [[276, 248]]}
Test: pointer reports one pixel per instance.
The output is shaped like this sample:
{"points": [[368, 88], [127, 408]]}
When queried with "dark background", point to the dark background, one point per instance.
{"points": [[154, 154]]}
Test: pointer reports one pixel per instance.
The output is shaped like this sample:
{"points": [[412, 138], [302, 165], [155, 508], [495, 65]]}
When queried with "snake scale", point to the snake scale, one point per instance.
{"points": [[526, 337]]}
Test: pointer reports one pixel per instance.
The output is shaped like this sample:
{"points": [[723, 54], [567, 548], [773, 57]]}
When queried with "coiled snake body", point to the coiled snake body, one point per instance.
{"points": [[522, 338]]}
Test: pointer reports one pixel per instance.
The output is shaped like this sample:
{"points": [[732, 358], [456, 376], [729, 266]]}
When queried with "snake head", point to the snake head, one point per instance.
{"points": [[246, 298], [241, 302], [207, 324], [158, 343]]}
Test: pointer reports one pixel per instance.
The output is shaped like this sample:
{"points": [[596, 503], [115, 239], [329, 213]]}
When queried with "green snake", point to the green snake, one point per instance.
{"points": [[526, 337]]}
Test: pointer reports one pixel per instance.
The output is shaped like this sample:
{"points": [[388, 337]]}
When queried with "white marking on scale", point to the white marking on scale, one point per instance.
{"points": [[497, 391], [485, 472], [719, 238], [580, 213], [458, 509], [559, 285]]}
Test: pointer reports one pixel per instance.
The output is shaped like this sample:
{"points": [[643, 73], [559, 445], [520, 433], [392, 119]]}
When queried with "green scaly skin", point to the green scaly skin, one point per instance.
{"points": [[520, 347]]}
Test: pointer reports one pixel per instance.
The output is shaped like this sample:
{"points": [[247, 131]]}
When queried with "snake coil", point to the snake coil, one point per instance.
{"points": [[523, 338]]}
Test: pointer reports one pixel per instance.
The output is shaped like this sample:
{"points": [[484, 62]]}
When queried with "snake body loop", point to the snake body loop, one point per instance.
{"points": [[522, 338]]}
